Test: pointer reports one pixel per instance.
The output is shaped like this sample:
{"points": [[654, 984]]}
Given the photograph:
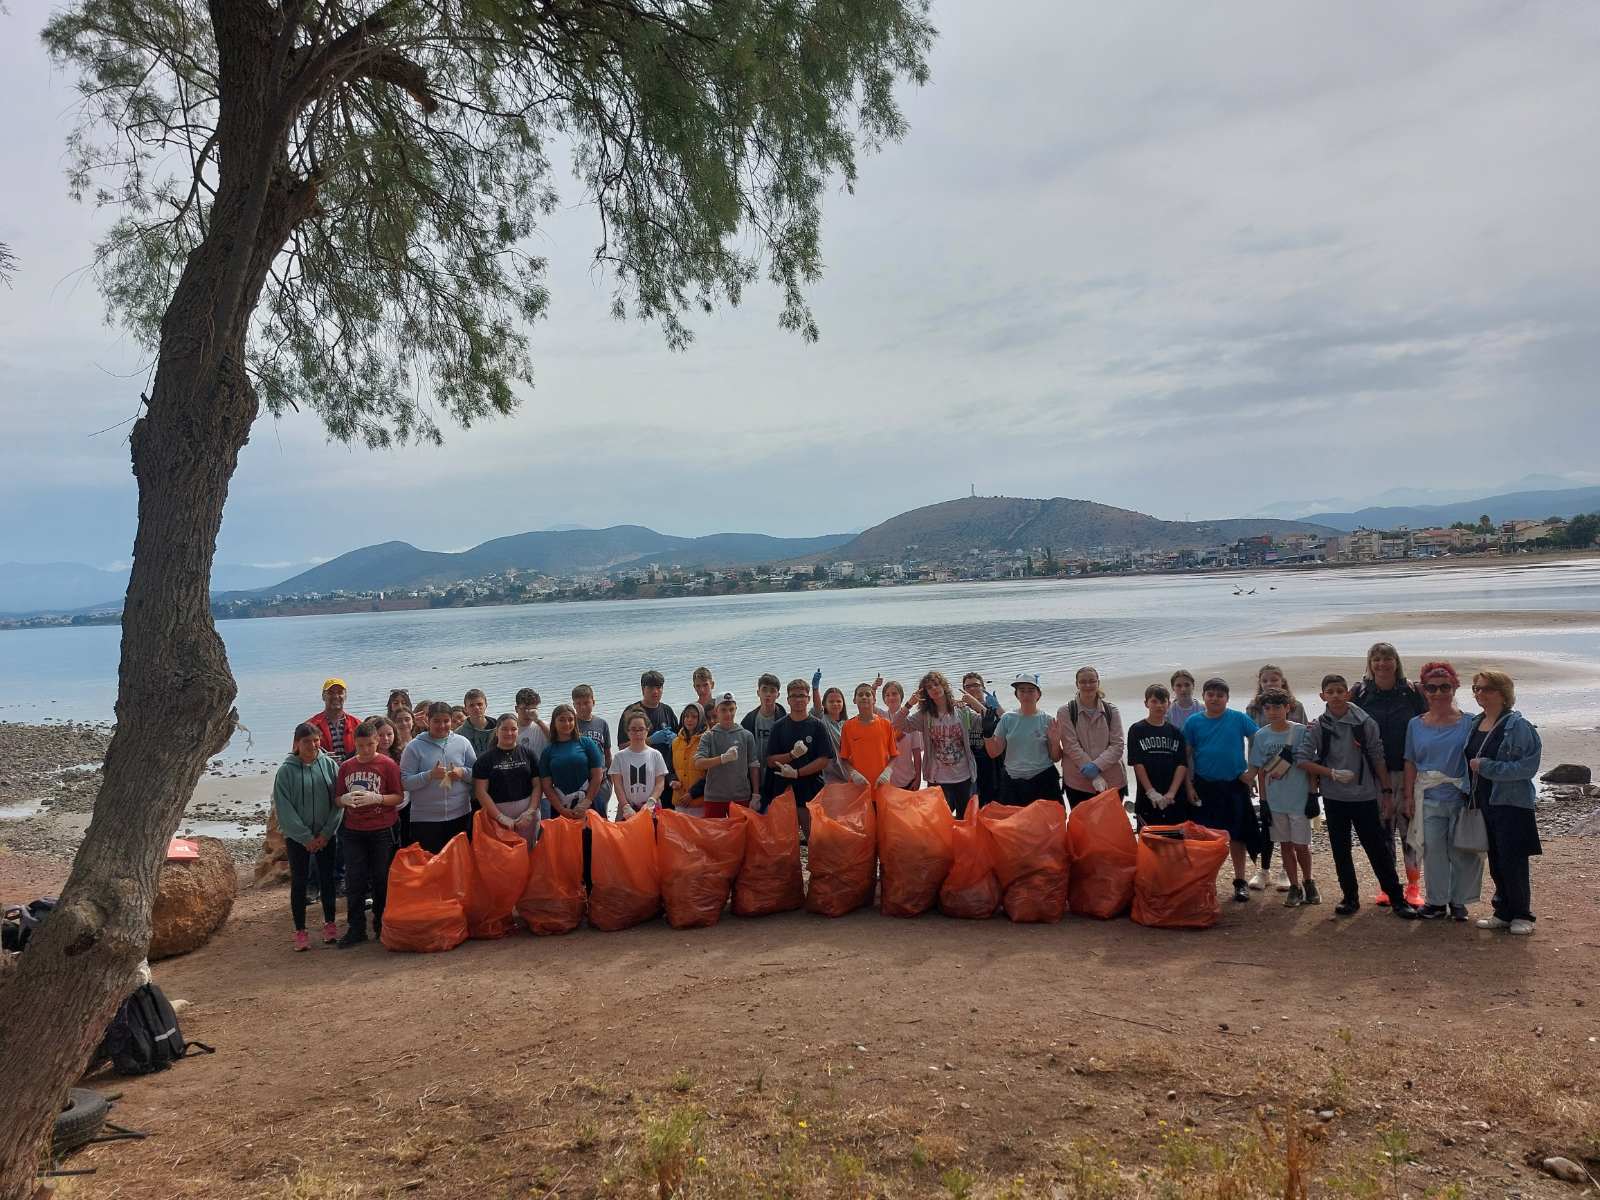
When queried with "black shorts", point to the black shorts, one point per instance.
{"points": [[1225, 805]]}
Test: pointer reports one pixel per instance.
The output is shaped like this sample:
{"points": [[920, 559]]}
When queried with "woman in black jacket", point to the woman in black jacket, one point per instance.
{"points": [[1391, 700]]}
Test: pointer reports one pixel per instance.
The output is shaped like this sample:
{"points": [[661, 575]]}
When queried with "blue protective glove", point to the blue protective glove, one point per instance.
{"points": [[1090, 771], [990, 700], [816, 679]]}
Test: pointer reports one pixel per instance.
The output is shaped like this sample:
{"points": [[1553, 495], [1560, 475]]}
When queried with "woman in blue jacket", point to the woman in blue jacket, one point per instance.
{"points": [[1503, 758], [302, 798]]}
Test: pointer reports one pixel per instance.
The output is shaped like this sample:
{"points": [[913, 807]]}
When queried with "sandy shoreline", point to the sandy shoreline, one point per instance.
{"points": [[1485, 619]]}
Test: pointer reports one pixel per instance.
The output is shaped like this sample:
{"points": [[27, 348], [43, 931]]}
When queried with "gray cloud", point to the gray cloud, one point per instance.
{"points": [[1184, 259]]}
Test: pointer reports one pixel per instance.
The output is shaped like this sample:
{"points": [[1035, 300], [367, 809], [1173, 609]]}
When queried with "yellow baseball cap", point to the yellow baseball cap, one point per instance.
{"points": [[335, 682]]}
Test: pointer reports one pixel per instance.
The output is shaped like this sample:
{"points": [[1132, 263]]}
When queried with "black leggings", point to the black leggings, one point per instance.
{"points": [[299, 868], [434, 836], [1046, 785], [956, 796], [1266, 838]]}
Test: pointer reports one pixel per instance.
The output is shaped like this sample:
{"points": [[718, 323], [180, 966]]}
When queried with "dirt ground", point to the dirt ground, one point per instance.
{"points": [[800, 1056]]}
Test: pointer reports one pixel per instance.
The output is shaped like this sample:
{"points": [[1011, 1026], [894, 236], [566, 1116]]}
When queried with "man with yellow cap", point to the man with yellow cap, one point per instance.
{"points": [[337, 727]]}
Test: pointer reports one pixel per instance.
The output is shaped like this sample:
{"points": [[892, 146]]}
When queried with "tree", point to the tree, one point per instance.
{"points": [[8, 264], [1485, 524], [1580, 532], [328, 206]]}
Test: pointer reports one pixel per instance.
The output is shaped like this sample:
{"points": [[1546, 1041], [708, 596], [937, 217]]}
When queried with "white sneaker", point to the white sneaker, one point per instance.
{"points": [[1258, 881], [1280, 881], [1522, 928], [1494, 923]]}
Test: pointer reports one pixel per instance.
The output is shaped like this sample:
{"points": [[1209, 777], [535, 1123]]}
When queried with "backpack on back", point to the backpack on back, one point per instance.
{"points": [[1326, 727], [144, 1036]]}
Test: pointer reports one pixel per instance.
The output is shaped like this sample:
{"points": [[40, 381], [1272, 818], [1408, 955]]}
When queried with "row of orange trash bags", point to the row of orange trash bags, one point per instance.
{"points": [[1033, 862]]}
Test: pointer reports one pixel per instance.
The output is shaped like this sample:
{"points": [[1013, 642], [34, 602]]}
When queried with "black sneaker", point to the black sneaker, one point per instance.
{"points": [[1458, 912], [1241, 891], [1432, 912], [1295, 898], [352, 937], [1346, 907], [1312, 895]]}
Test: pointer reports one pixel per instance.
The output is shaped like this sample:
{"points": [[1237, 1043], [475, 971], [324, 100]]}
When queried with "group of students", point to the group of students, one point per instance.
{"points": [[1386, 759]]}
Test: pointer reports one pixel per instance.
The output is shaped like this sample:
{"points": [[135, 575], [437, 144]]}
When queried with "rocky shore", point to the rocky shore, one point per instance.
{"points": [[50, 775]]}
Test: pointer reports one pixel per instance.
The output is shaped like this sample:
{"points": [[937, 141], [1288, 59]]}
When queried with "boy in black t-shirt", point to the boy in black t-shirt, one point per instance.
{"points": [[799, 750], [1159, 758]]}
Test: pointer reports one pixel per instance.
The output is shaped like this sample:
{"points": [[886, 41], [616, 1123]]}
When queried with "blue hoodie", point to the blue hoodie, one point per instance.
{"points": [[302, 796]]}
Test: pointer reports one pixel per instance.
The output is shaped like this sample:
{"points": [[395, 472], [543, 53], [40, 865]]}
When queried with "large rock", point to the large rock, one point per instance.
{"points": [[193, 899], [1566, 773], [272, 867]]}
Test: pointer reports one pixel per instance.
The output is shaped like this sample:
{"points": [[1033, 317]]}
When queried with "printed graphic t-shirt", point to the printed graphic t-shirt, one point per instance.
{"points": [[381, 775], [636, 772]]}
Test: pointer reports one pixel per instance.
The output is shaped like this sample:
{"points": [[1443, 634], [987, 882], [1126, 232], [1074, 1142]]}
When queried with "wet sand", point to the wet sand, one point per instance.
{"points": [[1487, 620]]}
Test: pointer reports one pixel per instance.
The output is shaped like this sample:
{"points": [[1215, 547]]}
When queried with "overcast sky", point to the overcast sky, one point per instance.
{"points": [[1187, 259]]}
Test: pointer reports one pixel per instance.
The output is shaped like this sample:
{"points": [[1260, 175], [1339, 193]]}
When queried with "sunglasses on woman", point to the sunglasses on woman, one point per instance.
{"points": [[1435, 688]]}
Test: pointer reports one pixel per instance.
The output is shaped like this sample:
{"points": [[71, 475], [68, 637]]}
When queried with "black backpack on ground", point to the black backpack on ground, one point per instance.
{"points": [[19, 922], [144, 1036]]}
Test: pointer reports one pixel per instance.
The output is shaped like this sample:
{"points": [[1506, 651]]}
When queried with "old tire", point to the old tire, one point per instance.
{"points": [[85, 1112]]}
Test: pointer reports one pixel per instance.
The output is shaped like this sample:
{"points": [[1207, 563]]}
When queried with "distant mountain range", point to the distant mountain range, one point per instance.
{"points": [[27, 588], [1067, 527], [395, 565], [1512, 506]]}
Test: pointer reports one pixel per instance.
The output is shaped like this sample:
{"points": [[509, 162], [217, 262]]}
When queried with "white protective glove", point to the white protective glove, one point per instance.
{"points": [[798, 750], [787, 771], [1340, 775], [1156, 797], [730, 755], [359, 798], [857, 778], [883, 778], [505, 820]]}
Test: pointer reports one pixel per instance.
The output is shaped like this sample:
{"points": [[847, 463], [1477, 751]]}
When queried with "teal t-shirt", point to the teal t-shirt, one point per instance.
{"points": [[1286, 795], [1027, 743]]}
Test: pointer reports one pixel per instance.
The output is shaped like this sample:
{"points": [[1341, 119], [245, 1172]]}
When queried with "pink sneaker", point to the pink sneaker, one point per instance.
{"points": [[301, 941], [330, 934]]}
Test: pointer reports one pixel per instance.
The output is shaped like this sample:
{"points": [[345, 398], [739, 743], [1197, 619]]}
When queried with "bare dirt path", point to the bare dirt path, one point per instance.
{"points": [[800, 1056]]}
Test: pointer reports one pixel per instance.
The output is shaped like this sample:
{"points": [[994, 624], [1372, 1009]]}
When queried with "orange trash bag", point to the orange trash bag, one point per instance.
{"points": [[1175, 884], [970, 890], [553, 900], [916, 842], [625, 882], [499, 873], [699, 858], [769, 880], [1104, 853], [426, 909], [1029, 846], [843, 854]]}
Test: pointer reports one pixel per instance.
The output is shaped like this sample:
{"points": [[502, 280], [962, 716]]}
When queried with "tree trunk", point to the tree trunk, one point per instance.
{"points": [[175, 691], [174, 711]]}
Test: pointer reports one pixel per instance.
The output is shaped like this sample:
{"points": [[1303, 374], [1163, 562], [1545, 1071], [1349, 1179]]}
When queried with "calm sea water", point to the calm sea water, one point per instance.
{"points": [[1128, 627]]}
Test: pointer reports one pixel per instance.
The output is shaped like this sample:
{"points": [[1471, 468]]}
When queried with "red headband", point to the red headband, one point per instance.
{"points": [[1439, 668]]}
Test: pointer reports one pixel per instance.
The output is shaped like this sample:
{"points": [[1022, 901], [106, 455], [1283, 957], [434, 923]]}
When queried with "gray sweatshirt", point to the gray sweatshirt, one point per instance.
{"points": [[727, 781], [1354, 745]]}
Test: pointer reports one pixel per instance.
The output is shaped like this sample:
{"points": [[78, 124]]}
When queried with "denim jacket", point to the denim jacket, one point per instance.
{"points": [[1515, 763]]}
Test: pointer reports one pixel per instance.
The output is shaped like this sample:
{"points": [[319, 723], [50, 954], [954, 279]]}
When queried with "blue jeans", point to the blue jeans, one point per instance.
{"points": [[1451, 876]]}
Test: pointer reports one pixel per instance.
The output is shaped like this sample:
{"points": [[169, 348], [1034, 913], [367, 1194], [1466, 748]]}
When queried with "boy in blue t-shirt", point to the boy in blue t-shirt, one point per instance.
{"points": [[1285, 792], [1220, 777]]}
